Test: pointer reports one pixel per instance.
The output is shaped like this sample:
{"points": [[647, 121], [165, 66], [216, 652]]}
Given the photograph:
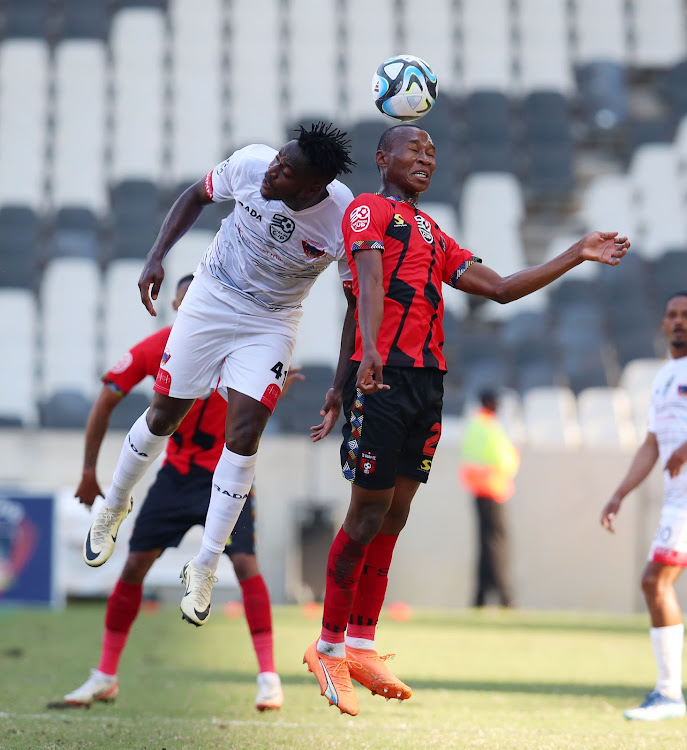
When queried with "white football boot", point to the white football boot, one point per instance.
{"points": [[98, 687], [270, 695], [195, 604], [100, 541]]}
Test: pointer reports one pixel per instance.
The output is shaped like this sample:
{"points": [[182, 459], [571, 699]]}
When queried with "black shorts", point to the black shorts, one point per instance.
{"points": [[176, 502], [393, 432]]}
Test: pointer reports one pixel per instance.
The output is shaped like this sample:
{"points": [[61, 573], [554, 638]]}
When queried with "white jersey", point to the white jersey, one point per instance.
{"points": [[668, 421], [263, 250]]}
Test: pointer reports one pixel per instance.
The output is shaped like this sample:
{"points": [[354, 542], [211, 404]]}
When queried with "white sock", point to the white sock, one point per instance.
{"points": [[335, 650], [231, 484], [364, 643], [140, 449], [667, 645]]}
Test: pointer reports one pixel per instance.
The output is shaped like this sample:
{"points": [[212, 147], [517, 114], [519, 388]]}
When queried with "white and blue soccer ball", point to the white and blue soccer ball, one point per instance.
{"points": [[404, 88]]}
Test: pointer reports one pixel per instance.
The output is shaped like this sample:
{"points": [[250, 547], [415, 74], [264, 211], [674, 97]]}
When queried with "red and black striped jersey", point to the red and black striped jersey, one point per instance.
{"points": [[416, 258], [199, 439]]}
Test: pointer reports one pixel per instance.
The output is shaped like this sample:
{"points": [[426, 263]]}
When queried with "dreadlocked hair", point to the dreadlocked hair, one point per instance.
{"points": [[326, 149]]}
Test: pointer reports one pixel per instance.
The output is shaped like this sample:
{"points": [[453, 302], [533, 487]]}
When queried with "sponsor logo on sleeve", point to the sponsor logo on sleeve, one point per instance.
{"points": [[123, 364], [208, 185], [360, 218]]}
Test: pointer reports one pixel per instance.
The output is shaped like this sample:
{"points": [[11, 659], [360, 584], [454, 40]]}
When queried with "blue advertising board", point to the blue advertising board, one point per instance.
{"points": [[27, 550]]}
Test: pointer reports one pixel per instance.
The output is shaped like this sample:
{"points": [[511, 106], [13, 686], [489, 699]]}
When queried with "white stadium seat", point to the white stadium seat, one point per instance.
{"points": [[256, 112], [313, 89], [607, 205], [23, 121], [605, 416], [70, 294], [137, 41], [659, 30], [78, 166], [636, 380], [661, 217], [543, 52], [369, 44], [125, 319], [486, 50], [550, 418], [438, 48], [19, 316], [198, 140], [600, 31]]}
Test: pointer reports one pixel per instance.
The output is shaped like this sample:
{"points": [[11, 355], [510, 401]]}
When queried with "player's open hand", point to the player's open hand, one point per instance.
{"points": [[370, 373], [330, 413], [609, 513], [152, 275], [88, 489], [604, 247]]}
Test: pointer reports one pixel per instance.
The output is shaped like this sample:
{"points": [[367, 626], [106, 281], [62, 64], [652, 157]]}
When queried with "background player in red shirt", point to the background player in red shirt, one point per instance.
{"points": [[177, 500], [393, 393]]}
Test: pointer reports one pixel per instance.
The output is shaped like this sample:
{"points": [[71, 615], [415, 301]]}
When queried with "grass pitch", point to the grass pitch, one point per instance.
{"points": [[491, 679]]}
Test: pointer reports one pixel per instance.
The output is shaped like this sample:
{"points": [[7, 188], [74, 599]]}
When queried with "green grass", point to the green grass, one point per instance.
{"points": [[491, 679]]}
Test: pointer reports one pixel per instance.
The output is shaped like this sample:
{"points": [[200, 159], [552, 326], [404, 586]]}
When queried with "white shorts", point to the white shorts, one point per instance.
{"points": [[670, 543], [218, 341]]}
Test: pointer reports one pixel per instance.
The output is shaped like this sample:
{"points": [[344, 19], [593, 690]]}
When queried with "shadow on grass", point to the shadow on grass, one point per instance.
{"points": [[608, 691]]}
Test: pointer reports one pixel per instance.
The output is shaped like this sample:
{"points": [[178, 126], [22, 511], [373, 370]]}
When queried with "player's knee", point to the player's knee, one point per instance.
{"points": [[651, 585], [245, 566]]}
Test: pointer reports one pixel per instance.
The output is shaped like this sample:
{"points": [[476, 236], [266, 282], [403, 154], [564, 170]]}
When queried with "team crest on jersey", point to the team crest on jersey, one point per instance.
{"points": [[123, 364], [360, 218], [425, 228], [312, 250], [165, 358], [368, 462], [281, 227], [682, 390]]}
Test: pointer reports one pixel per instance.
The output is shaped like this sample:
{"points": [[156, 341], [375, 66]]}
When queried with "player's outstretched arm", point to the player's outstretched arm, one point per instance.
{"points": [[180, 218], [642, 463], [332, 402], [601, 247], [96, 427]]}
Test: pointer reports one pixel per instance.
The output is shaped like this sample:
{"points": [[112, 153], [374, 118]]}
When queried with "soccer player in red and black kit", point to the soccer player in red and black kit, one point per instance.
{"points": [[177, 500], [393, 393]]}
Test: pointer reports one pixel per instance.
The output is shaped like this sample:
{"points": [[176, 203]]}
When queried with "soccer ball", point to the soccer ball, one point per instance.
{"points": [[404, 88]]}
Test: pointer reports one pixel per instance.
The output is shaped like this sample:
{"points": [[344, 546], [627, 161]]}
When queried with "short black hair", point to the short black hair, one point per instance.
{"points": [[326, 148], [673, 296], [489, 398], [185, 280], [387, 136]]}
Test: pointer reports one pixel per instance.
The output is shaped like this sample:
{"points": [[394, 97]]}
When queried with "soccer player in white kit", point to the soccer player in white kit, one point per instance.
{"points": [[666, 441], [235, 331]]}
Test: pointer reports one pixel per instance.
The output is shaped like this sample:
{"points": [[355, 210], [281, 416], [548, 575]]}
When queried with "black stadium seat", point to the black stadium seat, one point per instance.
{"points": [[19, 234]]}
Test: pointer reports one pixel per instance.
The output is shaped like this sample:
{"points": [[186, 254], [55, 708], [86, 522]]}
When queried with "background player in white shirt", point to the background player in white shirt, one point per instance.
{"points": [[236, 328], [666, 441]]}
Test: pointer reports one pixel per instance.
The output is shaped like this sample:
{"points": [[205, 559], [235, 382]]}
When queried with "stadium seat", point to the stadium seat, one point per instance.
{"points": [[637, 379], [669, 274], [658, 31], [19, 246], [675, 89], [27, 19], [607, 205], [550, 171], [605, 418], [550, 418], [600, 31], [65, 410], [301, 408], [78, 166], [135, 218], [486, 52], [487, 138], [129, 410], [137, 41], [256, 113], [125, 319], [84, 19], [75, 234], [19, 316], [69, 299], [439, 48], [603, 94], [543, 56], [23, 121], [197, 52], [659, 207]]}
